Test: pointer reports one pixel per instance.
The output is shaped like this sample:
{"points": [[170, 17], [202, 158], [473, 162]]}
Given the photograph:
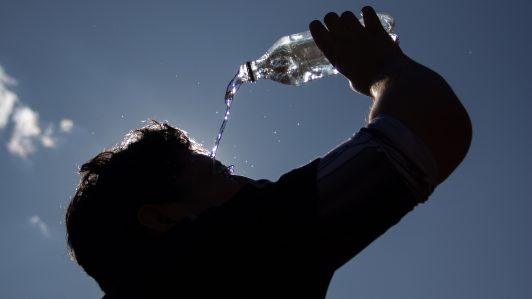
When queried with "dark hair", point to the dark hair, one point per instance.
{"points": [[101, 220]]}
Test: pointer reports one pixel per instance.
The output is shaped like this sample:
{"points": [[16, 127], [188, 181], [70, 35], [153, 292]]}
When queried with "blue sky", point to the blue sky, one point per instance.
{"points": [[75, 76]]}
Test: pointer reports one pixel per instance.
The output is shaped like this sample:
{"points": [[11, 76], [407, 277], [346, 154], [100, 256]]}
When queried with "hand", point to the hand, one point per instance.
{"points": [[365, 55]]}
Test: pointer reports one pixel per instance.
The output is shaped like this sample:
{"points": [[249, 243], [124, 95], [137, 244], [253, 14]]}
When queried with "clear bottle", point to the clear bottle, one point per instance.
{"points": [[296, 59]]}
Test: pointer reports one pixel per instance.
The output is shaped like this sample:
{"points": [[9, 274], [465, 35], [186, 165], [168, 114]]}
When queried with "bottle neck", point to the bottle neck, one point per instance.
{"points": [[259, 68], [250, 71]]}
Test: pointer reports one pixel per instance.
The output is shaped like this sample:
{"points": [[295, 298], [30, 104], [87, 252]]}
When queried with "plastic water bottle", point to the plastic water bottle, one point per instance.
{"points": [[296, 59]]}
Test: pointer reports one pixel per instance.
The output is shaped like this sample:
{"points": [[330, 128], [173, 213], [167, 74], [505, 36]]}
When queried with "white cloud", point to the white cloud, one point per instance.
{"points": [[4, 78], [47, 137], [66, 125], [7, 97], [36, 221], [25, 131], [26, 128]]}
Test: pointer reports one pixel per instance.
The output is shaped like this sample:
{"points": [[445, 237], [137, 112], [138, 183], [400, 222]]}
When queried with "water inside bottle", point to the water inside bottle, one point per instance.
{"points": [[293, 60], [243, 76]]}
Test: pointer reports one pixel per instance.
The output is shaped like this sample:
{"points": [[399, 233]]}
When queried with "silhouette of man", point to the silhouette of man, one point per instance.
{"points": [[154, 217]]}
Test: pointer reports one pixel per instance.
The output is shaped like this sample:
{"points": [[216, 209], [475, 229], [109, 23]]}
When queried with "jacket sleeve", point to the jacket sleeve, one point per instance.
{"points": [[367, 184]]}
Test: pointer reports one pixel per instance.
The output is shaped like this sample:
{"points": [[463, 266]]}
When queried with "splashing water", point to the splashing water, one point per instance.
{"points": [[243, 76]]}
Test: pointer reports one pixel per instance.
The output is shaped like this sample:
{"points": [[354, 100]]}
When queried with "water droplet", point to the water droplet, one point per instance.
{"points": [[231, 169]]}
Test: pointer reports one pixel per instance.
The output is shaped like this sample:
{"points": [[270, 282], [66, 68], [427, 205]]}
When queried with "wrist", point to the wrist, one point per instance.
{"points": [[394, 69]]}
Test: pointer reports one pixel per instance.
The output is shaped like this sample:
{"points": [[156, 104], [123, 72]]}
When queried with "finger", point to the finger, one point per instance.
{"points": [[351, 22], [372, 21], [335, 25], [322, 37]]}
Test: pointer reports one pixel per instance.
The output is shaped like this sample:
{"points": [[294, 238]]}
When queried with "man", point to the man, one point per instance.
{"points": [[155, 217]]}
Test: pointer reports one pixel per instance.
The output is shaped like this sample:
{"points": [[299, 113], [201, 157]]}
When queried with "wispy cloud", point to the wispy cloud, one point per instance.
{"points": [[66, 125], [7, 97], [47, 137], [26, 129], [37, 222], [27, 132]]}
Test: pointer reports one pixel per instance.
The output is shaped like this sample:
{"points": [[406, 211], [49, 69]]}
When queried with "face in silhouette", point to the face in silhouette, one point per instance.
{"points": [[207, 183]]}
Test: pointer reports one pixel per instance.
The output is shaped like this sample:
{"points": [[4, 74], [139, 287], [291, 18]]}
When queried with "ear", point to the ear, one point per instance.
{"points": [[155, 217]]}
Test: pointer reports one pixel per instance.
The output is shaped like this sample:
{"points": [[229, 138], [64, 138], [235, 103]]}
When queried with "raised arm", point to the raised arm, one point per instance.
{"points": [[400, 87]]}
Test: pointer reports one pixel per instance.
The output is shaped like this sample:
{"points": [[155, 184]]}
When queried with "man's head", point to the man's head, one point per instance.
{"points": [[130, 194]]}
